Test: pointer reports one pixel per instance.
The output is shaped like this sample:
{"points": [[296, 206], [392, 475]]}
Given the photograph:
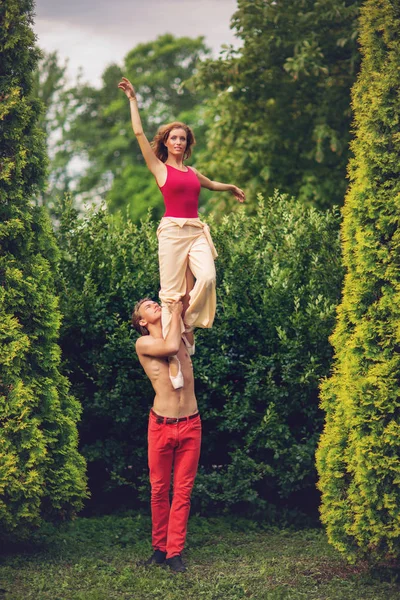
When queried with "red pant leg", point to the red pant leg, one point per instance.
{"points": [[186, 461], [160, 454]]}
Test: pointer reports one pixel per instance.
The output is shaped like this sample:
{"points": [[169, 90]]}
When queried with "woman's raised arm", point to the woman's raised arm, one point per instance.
{"points": [[155, 165]]}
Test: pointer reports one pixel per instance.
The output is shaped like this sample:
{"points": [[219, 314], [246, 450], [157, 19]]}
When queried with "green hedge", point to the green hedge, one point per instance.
{"points": [[41, 472], [359, 452], [257, 370]]}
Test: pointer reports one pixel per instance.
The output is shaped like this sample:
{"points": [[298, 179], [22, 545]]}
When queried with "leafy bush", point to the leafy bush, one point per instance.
{"points": [[257, 370], [41, 471], [358, 455]]}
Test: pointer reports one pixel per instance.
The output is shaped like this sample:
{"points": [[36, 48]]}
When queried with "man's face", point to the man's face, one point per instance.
{"points": [[150, 312]]}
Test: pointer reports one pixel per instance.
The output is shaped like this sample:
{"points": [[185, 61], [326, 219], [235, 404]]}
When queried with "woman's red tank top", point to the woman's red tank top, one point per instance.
{"points": [[181, 193]]}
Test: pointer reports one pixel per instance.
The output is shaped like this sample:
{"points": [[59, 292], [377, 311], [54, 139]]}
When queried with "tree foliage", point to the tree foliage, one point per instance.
{"points": [[257, 370], [279, 110], [358, 455], [62, 102], [100, 132], [41, 471]]}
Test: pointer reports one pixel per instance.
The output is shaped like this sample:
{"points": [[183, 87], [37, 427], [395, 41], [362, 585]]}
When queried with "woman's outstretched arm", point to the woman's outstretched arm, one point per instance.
{"points": [[216, 186], [155, 165]]}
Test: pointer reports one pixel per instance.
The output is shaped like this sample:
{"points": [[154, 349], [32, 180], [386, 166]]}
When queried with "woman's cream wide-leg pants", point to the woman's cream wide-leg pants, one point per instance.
{"points": [[187, 243]]}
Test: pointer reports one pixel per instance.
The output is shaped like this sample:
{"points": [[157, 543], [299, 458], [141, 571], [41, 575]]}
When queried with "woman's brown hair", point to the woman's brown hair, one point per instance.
{"points": [[158, 143]]}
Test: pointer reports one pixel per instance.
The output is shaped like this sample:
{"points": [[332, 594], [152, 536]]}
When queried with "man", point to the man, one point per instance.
{"points": [[174, 432]]}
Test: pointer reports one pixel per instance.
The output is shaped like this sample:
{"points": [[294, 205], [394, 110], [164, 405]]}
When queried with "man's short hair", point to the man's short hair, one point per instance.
{"points": [[136, 317]]}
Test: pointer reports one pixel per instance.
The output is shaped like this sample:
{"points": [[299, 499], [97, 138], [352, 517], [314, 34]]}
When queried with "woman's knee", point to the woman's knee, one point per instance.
{"points": [[207, 279]]}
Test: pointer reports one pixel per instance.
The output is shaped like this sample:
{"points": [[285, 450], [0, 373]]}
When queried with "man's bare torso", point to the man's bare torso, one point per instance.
{"points": [[169, 402]]}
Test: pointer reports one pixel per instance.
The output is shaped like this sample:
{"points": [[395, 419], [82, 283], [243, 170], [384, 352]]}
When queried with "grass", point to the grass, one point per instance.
{"points": [[95, 559]]}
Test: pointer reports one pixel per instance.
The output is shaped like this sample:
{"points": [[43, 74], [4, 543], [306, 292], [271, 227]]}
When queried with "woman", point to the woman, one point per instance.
{"points": [[186, 251]]}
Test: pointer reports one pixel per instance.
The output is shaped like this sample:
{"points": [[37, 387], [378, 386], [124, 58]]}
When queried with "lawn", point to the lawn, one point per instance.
{"points": [[96, 559]]}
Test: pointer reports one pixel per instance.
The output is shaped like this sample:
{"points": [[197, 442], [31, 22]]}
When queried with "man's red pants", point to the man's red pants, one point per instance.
{"points": [[176, 447]]}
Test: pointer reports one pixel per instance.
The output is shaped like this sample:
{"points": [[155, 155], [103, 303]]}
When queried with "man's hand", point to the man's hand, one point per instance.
{"points": [[176, 308]]}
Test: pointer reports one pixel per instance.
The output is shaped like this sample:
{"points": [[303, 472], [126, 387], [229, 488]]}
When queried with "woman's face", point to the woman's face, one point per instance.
{"points": [[176, 142]]}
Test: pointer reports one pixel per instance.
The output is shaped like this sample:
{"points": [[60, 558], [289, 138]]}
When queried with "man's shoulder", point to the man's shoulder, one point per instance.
{"points": [[144, 341], [146, 344]]}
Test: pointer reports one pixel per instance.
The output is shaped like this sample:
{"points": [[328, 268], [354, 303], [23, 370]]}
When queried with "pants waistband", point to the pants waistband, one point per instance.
{"points": [[172, 420], [181, 222]]}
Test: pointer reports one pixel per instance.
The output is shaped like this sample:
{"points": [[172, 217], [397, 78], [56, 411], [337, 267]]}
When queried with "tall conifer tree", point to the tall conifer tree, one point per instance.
{"points": [[359, 453], [41, 471]]}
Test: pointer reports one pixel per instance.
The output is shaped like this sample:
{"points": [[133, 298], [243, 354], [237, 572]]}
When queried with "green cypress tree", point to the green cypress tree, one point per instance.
{"points": [[358, 458], [41, 472]]}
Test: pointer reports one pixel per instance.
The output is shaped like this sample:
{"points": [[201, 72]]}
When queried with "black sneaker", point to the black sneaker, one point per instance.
{"points": [[157, 558], [175, 564]]}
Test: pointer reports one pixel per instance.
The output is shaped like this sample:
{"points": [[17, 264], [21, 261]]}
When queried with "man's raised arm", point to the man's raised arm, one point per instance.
{"points": [[158, 346]]}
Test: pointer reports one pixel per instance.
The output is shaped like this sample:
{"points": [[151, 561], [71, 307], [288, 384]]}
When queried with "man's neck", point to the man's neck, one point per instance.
{"points": [[155, 330]]}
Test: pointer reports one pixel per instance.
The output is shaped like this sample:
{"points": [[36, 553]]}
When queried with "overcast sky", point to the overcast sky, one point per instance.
{"points": [[94, 33]]}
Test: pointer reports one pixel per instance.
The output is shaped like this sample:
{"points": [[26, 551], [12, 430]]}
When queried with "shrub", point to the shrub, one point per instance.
{"points": [[257, 370], [41, 472], [358, 457]]}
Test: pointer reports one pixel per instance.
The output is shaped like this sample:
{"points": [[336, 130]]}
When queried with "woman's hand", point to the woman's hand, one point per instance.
{"points": [[238, 193], [126, 86]]}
